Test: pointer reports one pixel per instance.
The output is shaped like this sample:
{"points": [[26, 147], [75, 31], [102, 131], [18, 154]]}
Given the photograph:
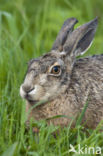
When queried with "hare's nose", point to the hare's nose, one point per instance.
{"points": [[27, 88]]}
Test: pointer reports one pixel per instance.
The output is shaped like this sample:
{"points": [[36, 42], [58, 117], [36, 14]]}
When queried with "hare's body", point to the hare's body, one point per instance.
{"points": [[65, 83], [86, 85]]}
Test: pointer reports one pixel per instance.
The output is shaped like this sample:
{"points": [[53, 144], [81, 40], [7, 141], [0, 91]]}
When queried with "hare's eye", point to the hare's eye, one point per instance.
{"points": [[55, 70]]}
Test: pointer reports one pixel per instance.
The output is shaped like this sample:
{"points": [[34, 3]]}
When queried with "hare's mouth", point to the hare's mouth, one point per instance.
{"points": [[30, 100]]}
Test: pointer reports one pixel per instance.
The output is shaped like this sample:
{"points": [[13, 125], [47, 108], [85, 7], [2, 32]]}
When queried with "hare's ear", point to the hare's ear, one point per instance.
{"points": [[80, 39], [62, 36]]}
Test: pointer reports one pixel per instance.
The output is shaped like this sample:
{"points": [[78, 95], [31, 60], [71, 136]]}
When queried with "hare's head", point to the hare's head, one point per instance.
{"points": [[49, 76]]}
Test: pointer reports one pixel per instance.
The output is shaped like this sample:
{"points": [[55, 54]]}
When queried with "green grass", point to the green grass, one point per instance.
{"points": [[27, 30]]}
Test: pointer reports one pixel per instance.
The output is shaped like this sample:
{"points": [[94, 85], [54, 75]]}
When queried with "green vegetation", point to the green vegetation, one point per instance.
{"points": [[27, 30]]}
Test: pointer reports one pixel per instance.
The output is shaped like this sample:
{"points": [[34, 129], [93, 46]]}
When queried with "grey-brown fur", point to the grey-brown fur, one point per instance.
{"points": [[79, 80]]}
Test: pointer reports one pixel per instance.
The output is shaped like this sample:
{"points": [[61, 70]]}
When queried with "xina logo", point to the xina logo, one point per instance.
{"points": [[85, 149]]}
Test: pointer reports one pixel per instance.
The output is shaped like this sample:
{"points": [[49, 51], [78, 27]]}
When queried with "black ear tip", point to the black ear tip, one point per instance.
{"points": [[71, 21], [74, 19], [95, 21]]}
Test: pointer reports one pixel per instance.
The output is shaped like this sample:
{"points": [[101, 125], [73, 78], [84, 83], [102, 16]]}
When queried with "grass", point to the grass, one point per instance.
{"points": [[27, 30]]}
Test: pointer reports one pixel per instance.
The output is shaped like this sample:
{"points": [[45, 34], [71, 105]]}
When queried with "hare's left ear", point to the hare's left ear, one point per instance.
{"points": [[80, 39], [66, 29]]}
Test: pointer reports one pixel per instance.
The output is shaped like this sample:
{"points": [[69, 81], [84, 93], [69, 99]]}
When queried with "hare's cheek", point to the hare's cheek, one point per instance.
{"points": [[37, 93], [43, 79]]}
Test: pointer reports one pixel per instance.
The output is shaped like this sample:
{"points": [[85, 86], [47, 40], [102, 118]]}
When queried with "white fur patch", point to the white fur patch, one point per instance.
{"points": [[63, 53], [33, 92], [22, 92]]}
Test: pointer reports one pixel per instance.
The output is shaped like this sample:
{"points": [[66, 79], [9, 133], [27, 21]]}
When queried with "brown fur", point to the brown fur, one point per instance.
{"points": [[80, 80]]}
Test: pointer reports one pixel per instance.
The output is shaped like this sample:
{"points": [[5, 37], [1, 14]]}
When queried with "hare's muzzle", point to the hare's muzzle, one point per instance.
{"points": [[27, 91]]}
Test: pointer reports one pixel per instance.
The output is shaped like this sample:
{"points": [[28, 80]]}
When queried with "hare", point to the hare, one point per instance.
{"points": [[64, 82]]}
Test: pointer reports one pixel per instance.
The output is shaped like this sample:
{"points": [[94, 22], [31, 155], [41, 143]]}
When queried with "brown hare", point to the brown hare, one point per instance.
{"points": [[64, 82]]}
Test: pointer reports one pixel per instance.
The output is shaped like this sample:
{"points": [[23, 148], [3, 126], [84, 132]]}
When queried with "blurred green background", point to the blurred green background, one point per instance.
{"points": [[28, 29]]}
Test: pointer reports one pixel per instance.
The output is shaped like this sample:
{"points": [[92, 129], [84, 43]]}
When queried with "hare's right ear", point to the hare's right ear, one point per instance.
{"points": [[66, 29]]}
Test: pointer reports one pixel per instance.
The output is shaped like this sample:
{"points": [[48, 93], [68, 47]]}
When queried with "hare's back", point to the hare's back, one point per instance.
{"points": [[87, 79], [90, 66]]}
